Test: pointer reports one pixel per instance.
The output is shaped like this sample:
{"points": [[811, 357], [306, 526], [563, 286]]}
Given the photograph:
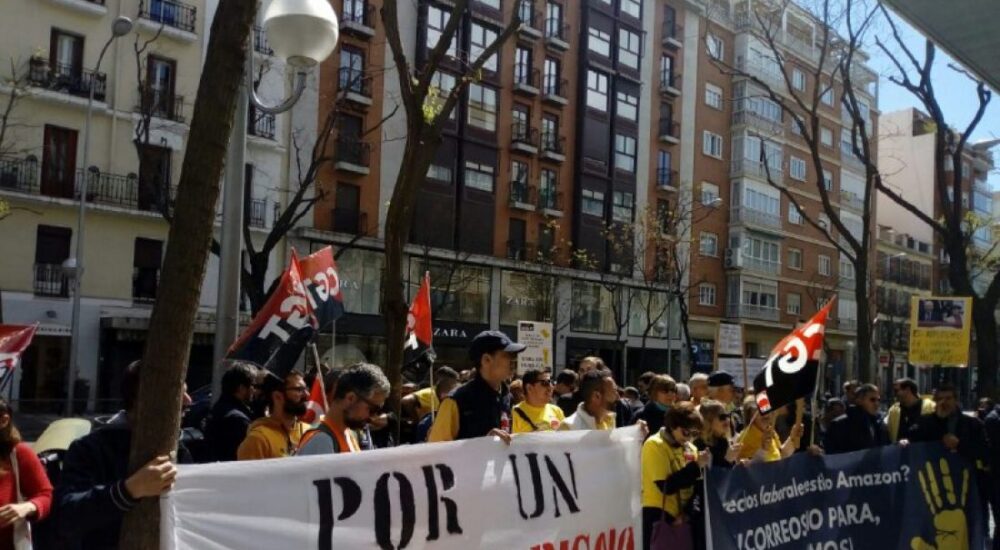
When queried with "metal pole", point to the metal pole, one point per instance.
{"points": [[227, 311], [81, 213]]}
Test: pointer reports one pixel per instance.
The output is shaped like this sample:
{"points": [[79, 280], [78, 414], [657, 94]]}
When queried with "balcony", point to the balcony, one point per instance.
{"points": [[355, 86], [749, 311], [746, 168], [666, 179], [550, 202], [51, 280], [170, 13], [352, 156], [847, 324], [256, 213], [736, 259], [555, 90], [848, 159], [670, 131], [357, 18], [770, 77], [852, 201], [260, 124], [766, 127], [526, 79], [754, 217], [20, 175], [673, 35], [66, 79], [670, 84], [260, 43], [93, 8], [529, 20], [553, 147], [556, 34], [161, 104], [350, 221], [522, 196], [521, 251], [523, 138], [845, 283]]}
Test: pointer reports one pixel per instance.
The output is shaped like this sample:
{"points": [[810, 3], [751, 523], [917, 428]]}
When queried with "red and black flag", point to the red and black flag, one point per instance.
{"points": [[419, 332], [322, 284], [14, 339], [280, 331], [791, 371]]}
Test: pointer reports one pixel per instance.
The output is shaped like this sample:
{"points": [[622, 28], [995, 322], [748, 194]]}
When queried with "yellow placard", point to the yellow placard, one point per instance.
{"points": [[940, 330]]}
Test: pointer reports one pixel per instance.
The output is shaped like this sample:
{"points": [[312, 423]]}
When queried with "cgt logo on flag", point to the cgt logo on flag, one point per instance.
{"points": [[14, 339], [316, 407], [763, 403]]}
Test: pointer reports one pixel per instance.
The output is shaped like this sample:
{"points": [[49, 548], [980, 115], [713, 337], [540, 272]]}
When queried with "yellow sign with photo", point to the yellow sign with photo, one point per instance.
{"points": [[940, 331]]}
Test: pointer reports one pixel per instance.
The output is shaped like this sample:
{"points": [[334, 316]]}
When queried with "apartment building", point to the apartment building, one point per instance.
{"points": [[53, 49], [594, 113]]}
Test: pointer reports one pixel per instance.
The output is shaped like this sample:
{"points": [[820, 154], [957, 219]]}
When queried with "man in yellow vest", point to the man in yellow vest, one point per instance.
{"points": [[907, 409]]}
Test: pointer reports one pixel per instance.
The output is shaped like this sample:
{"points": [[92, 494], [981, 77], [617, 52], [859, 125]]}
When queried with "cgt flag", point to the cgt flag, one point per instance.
{"points": [[419, 332], [281, 329], [322, 283], [790, 373], [14, 339]]}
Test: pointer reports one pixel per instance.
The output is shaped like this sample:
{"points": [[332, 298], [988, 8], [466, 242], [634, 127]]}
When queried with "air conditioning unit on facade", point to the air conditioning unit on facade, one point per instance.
{"points": [[731, 260]]}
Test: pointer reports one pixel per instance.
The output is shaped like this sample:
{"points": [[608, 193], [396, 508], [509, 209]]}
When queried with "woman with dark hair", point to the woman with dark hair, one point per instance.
{"points": [[25, 491], [671, 465]]}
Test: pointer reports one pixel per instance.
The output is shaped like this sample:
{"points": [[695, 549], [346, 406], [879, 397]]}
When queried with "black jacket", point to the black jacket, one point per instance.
{"points": [[623, 414], [969, 430], [855, 430], [992, 426], [480, 408], [567, 403], [653, 416], [226, 427]]}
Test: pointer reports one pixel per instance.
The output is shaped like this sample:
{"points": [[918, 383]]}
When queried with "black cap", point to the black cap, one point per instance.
{"points": [[717, 379], [490, 341]]}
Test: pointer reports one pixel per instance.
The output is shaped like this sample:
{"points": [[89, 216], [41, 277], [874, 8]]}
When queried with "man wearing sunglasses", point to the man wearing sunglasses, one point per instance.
{"points": [[861, 427], [536, 413], [277, 435], [359, 393]]}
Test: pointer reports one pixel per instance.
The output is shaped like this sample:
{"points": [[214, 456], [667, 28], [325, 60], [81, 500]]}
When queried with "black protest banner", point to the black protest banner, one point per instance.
{"points": [[920, 497]]}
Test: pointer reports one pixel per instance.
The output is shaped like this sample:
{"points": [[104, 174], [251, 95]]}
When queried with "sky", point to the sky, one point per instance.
{"points": [[955, 92]]}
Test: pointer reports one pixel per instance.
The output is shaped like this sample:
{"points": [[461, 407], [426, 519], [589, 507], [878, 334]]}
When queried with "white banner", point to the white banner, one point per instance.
{"points": [[575, 489], [538, 337], [730, 340]]}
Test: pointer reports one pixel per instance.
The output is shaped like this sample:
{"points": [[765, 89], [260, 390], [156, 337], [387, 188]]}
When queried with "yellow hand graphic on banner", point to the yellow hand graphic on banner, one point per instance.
{"points": [[950, 527]]}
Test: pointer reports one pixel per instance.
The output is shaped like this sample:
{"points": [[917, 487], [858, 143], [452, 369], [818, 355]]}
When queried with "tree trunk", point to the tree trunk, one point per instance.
{"points": [[156, 419], [985, 323], [864, 336]]}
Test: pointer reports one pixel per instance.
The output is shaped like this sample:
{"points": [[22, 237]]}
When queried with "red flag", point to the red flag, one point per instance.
{"points": [[14, 339], [791, 371], [316, 407], [322, 283], [419, 332]]}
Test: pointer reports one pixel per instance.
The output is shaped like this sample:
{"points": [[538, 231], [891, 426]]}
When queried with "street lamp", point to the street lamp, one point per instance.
{"points": [[74, 266], [303, 33]]}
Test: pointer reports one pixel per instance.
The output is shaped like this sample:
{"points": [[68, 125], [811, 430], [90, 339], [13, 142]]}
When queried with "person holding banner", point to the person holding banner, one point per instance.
{"points": [[536, 413], [907, 409], [278, 434], [861, 427], [715, 434], [483, 404], [760, 441], [671, 466], [599, 393], [359, 393], [662, 391]]}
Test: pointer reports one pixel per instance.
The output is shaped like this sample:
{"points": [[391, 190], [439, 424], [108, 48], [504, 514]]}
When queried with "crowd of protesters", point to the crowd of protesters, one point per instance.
{"points": [[687, 427]]}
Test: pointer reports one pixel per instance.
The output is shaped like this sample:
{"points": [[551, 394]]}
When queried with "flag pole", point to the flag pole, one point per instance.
{"points": [[319, 372], [820, 381], [333, 344]]}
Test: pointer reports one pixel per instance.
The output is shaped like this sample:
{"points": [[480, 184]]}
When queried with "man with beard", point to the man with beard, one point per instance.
{"points": [[277, 435], [359, 393], [230, 417]]}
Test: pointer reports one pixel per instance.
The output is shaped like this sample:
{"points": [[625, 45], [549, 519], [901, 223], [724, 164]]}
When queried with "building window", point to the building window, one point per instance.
{"points": [[146, 259], [826, 136], [794, 216], [629, 48], [525, 296], [479, 176], [522, 67], [798, 79], [825, 265], [625, 153], [495, 4], [439, 173], [716, 47], [547, 190], [66, 57], [823, 221], [827, 96], [633, 8], [459, 293], [628, 106], [797, 169], [706, 294], [795, 258], [664, 175], [481, 39], [519, 172], [592, 203], [550, 77], [160, 81], [482, 107], [52, 246], [794, 303], [550, 132], [444, 83], [597, 91], [666, 71], [708, 244], [828, 180], [437, 20], [553, 20], [599, 41], [352, 70], [591, 308], [762, 295], [709, 194], [622, 206], [713, 96], [712, 144]]}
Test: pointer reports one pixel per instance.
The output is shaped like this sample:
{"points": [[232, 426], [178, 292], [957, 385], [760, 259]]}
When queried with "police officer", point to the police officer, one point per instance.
{"points": [[481, 406]]}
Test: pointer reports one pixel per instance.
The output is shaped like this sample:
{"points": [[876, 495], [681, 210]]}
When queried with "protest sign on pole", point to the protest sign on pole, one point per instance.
{"points": [[889, 497], [538, 337], [729, 353], [551, 490], [940, 331], [730, 339]]}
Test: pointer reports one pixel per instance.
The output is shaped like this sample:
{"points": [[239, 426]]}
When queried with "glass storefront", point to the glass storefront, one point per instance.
{"points": [[360, 280], [459, 293], [591, 309], [649, 310], [525, 297]]}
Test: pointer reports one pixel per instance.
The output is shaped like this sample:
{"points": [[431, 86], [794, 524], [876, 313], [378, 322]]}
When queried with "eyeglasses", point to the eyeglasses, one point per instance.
{"points": [[373, 408], [546, 382], [725, 416], [299, 389], [690, 433]]}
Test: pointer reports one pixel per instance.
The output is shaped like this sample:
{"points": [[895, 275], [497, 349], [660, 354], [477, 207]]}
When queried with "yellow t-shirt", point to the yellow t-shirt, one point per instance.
{"points": [[660, 460], [546, 418], [752, 444], [267, 438], [428, 400], [445, 427]]}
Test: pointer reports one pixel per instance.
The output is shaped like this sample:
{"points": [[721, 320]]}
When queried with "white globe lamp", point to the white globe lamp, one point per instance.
{"points": [[302, 32]]}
